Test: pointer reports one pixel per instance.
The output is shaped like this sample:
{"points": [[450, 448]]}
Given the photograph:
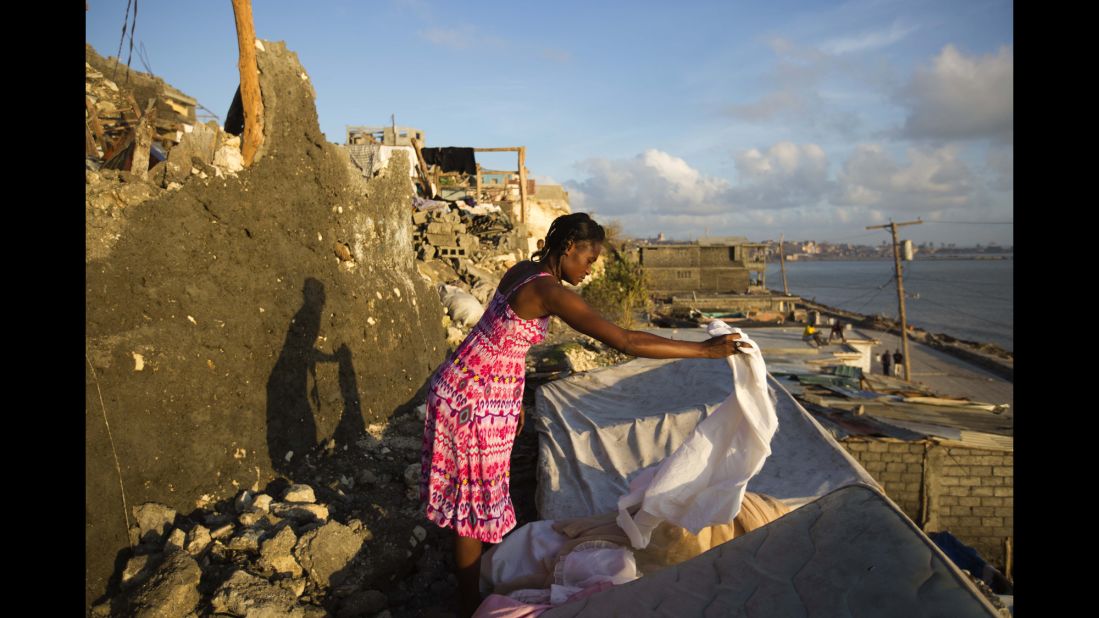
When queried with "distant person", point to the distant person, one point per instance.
{"points": [[898, 360], [810, 334], [886, 359], [837, 331]]}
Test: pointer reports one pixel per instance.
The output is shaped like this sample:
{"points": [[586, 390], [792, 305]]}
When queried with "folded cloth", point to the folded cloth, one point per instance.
{"points": [[703, 482]]}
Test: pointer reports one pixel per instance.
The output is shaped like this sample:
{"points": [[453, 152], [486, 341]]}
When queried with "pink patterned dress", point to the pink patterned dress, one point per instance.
{"points": [[473, 407]]}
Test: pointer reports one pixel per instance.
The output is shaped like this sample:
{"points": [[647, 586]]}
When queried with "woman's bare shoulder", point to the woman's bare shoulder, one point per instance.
{"points": [[517, 273]]}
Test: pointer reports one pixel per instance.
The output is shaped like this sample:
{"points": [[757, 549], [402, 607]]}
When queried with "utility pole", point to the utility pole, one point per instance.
{"points": [[782, 262], [900, 291]]}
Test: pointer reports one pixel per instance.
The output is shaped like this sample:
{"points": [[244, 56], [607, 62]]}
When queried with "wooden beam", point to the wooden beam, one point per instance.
{"points": [[478, 180], [429, 188], [499, 171], [93, 122], [90, 149], [508, 149], [523, 185], [143, 139], [250, 96]]}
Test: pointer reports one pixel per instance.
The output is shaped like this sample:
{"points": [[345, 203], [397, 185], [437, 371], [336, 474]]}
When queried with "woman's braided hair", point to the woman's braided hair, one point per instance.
{"points": [[577, 227]]}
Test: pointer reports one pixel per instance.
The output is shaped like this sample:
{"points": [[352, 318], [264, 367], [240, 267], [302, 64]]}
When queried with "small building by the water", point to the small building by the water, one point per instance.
{"points": [[712, 265]]}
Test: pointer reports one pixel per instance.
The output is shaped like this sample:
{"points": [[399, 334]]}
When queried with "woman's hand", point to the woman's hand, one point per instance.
{"points": [[522, 419], [723, 345]]}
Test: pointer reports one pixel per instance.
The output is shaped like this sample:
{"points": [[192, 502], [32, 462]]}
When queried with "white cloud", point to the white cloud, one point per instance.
{"points": [[932, 179], [1001, 164], [652, 182], [962, 97], [868, 40], [785, 176]]}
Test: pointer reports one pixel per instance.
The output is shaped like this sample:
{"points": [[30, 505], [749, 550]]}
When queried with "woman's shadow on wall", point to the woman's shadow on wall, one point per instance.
{"points": [[292, 400]]}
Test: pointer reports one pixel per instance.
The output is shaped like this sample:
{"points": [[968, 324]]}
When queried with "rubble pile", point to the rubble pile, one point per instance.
{"points": [[464, 248], [319, 548]]}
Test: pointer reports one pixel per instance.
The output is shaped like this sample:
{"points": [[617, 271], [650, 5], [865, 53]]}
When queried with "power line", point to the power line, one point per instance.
{"points": [[976, 222]]}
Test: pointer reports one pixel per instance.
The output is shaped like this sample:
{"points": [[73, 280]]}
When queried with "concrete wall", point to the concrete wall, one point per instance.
{"points": [[693, 268], [969, 492]]}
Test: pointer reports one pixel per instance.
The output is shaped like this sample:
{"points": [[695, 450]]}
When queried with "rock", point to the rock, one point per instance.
{"points": [[276, 553], [412, 475], [421, 411], [176, 539], [243, 501], [366, 477], [171, 589], [383, 614], [296, 585], [248, 540], [250, 518], [419, 533], [454, 336], [326, 551], [262, 502], [153, 521], [228, 157], [222, 532], [138, 569], [362, 603], [198, 539], [103, 610], [244, 594], [299, 493], [300, 511]]}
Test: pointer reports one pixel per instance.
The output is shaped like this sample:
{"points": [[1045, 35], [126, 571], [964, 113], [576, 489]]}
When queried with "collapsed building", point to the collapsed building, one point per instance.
{"points": [[238, 319]]}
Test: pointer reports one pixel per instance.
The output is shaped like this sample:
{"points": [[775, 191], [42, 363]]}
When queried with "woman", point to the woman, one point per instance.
{"points": [[475, 399]]}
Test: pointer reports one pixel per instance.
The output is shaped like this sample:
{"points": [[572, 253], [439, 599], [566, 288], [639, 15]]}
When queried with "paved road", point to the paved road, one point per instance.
{"points": [[945, 374]]}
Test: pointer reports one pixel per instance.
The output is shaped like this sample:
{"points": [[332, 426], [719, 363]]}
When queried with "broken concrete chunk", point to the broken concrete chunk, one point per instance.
{"points": [[412, 475], [276, 553], [244, 594], [262, 502], [299, 493], [170, 591], [247, 540], [300, 511], [153, 521], [363, 603], [176, 539], [326, 551], [243, 501], [198, 539], [138, 569]]}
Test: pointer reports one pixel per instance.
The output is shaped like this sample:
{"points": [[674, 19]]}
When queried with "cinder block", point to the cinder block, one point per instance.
{"points": [[982, 491], [854, 445], [984, 511], [949, 500], [1004, 491], [950, 481], [877, 447], [992, 460], [971, 521], [993, 502], [980, 471], [895, 466], [889, 477], [911, 477], [868, 456], [1007, 471], [954, 471], [992, 481], [1009, 522], [992, 521], [891, 457], [969, 480], [969, 501], [912, 458]]}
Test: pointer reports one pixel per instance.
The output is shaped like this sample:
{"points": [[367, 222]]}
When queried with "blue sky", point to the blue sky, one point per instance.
{"points": [[809, 119]]}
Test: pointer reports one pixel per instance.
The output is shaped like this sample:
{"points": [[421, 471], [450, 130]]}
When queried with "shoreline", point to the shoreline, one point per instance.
{"points": [[989, 356]]}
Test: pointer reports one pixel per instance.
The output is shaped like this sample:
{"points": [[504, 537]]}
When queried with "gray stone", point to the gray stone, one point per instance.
{"points": [[153, 521], [138, 569], [198, 539], [299, 493], [243, 501], [327, 550], [250, 518], [295, 586], [362, 603], [176, 539], [276, 553], [247, 540], [170, 591], [262, 502], [366, 477], [222, 532], [419, 533], [300, 511], [412, 475], [244, 594]]}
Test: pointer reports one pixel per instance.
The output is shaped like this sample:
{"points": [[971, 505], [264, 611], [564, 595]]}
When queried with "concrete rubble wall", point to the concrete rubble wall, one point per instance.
{"points": [[238, 318]]}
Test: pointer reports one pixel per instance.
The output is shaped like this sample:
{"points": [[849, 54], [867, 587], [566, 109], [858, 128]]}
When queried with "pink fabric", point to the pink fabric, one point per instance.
{"points": [[473, 407]]}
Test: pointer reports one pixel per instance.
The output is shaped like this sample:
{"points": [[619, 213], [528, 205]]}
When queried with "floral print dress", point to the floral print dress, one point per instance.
{"points": [[473, 407]]}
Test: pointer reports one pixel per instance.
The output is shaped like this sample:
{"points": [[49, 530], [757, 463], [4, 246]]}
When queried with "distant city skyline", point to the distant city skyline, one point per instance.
{"points": [[809, 119]]}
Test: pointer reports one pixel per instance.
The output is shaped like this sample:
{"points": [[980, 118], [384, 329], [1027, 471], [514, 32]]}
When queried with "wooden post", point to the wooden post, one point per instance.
{"points": [[478, 196], [89, 143], [782, 263], [428, 188], [143, 139], [250, 97], [523, 184], [93, 122]]}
